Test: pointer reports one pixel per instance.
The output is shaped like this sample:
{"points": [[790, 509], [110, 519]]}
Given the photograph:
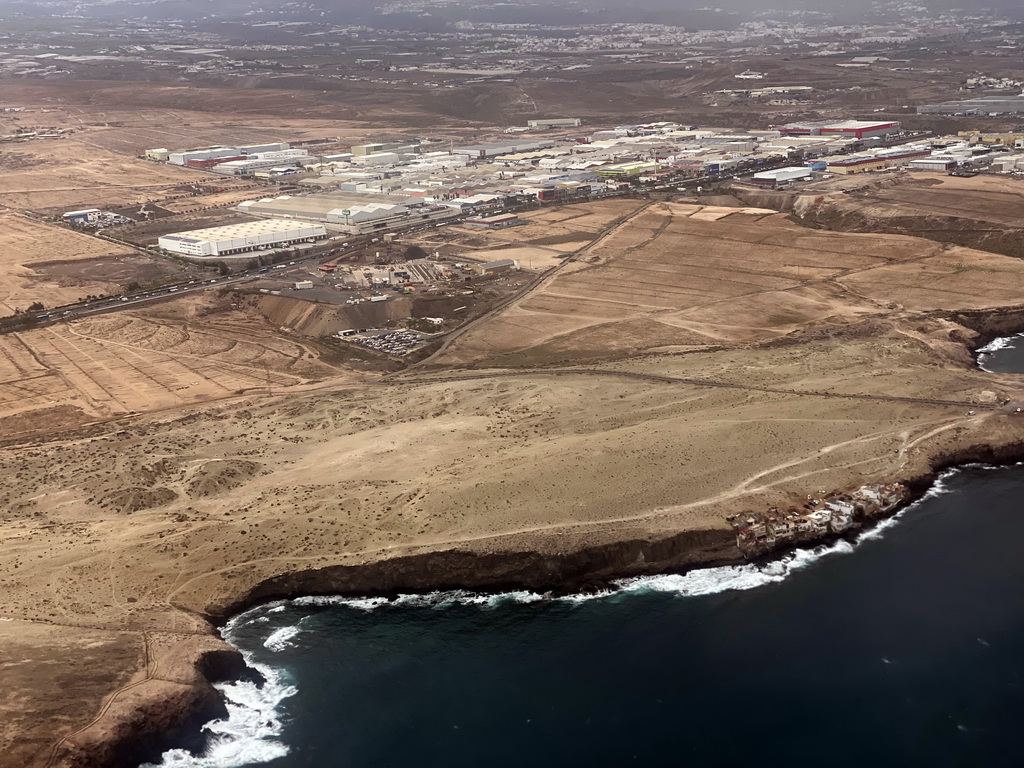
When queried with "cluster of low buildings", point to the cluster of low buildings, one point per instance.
{"points": [[759, 533], [35, 133], [93, 218], [275, 158], [548, 169], [967, 153], [984, 106], [412, 184]]}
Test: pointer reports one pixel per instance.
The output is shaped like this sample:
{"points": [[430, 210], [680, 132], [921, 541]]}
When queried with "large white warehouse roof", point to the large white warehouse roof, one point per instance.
{"points": [[245, 229], [239, 238]]}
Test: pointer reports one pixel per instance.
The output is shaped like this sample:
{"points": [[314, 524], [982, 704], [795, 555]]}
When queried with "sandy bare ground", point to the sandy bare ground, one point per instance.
{"points": [[546, 237], [799, 361], [72, 174], [25, 244]]}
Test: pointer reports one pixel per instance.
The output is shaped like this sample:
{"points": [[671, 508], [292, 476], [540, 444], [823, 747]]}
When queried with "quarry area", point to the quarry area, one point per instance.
{"points": [[553, 330]]}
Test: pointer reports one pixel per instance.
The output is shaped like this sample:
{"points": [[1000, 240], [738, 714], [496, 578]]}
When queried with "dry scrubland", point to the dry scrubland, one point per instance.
{"points": [[119, 538]]}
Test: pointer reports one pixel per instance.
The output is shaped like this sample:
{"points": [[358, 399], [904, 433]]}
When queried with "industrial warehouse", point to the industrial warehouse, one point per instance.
{"points": [[353, 214], [241, 238]]}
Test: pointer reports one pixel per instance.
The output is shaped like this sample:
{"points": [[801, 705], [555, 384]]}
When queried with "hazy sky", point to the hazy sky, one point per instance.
{"points": [[688, 12]]}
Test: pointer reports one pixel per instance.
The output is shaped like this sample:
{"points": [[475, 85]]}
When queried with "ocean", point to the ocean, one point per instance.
{"points": [[1004, 355], [902, 648]]}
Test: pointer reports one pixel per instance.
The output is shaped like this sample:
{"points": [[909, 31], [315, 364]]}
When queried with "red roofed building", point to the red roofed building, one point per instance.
{"points": [[853, 129]]}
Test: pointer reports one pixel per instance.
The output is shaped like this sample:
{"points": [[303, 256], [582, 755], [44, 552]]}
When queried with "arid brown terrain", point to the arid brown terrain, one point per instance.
{"points": [[691, 359]]}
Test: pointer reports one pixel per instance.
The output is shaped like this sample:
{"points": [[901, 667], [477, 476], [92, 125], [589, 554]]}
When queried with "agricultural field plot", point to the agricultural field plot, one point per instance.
{"points": [[529, 257], [671, 278], [957, 277], [541, 243], [30, 250], [117, 364], [999, 200], [580, 222]]}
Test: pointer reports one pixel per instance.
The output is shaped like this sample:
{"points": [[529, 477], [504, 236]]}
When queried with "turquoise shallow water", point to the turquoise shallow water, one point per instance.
{"points": [[906, 649]]}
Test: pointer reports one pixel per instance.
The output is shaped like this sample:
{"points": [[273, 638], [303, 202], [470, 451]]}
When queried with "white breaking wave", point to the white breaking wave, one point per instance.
{"points": [[1001, 343], [994, 346], [695, 583], [278, 639], [249, 734], [428, 600]]}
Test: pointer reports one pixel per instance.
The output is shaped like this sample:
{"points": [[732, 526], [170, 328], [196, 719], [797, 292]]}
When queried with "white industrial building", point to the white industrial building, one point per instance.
{"points": [[242, 167], [252, 149], [782, 175], [558, 122], [279, 154], [241, 238], [351, 213], [377, 158], [496, 149], [937, 163], [183, 156]]}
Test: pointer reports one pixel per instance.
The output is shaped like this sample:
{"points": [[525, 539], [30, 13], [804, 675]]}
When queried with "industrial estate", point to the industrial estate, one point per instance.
{"points": [[376, 215]]}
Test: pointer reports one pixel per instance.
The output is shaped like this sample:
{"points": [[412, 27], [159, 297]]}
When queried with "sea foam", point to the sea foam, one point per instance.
{"points": [[983, 353], [278, 639], [1000, 343], [250, 733]]}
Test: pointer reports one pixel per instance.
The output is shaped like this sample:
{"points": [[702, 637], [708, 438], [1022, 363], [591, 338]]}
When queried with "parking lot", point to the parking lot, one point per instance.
{"points": [[399, 343]]}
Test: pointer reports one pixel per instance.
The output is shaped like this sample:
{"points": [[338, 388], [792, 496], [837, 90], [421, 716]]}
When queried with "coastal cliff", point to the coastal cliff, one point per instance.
{"points": [[171, 715]]}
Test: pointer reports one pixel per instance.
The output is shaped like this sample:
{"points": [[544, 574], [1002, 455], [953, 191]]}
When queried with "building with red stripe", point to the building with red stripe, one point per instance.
{"points": [[853, 129]]}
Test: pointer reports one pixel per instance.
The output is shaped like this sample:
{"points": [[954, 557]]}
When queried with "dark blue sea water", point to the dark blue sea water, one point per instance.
{"points": [[1004, 355], [905, 649]]}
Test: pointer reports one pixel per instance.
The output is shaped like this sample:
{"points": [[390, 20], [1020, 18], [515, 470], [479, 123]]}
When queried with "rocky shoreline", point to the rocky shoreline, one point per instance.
{"points": [[176, 721], [145, 726]]}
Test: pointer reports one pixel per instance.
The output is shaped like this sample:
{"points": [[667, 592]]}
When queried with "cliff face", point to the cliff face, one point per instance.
{"points": [[163, 706], [571, 571]]}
